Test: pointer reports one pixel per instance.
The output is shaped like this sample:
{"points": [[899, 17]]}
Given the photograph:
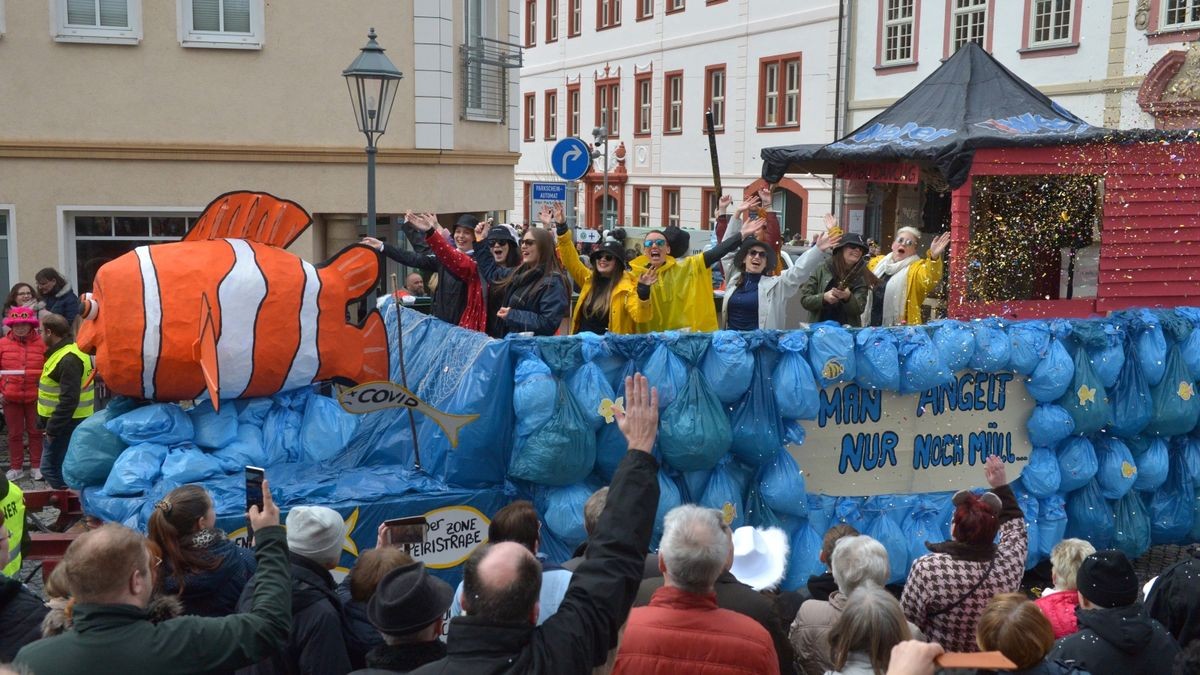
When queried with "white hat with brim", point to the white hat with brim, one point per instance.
{"points": [[759, 556]]}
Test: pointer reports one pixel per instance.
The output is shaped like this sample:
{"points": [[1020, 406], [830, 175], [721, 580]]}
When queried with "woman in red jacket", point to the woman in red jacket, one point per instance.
{"points": [[21, 358]]}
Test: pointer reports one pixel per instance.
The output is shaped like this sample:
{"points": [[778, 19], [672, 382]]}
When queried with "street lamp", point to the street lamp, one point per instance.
{"points": [[372, 80], [600, 135]]}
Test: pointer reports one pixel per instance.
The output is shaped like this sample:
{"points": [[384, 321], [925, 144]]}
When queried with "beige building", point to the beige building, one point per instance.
{"points": [[120, 119]]}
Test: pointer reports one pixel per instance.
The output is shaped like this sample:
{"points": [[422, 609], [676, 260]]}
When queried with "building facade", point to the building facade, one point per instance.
{"points": [[648, 70], [122, 119]]}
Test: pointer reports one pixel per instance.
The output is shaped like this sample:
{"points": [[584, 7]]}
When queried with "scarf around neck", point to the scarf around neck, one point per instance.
{"points": [[894, 293]]}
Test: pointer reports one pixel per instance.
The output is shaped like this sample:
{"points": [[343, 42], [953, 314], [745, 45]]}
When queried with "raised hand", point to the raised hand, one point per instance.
{"points": [[639, 421], [830, 221], [751, 203], [827, 242], [724, 202], [913, 657], [545, 217], [994, 470], [752, 227], [372, 242], [648, 277], [481, 230], [560, 215], [764, 196], [938, 246]]}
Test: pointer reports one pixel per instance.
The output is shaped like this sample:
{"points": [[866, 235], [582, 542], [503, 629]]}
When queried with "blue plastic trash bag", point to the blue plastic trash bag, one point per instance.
{"points": [[1089, 516], [1052, 523], [534, 392], [925, 524], [1030, 343], [189, 464], [723, 494], [1191, 346], [1052, 377], [281, 435], [666, 371], [758, 513], [1150, 344], [1049, 424], [1041, 476], [136, 470], [610, 442], [1077, 463], [1117, 472], [921, 366], [757, 435], [796, 390], [1131, 529], [253, 410], [793, 432], [804, 559], [1194, 534], [325, 429], [214, 429], [782, 486], [109, 508], [877, 360], [668, 498], [694, 430], [1105, 345], [992, 348], [1132, 406], [1029, 507], [728, 364], [692, 484], [820, 512], [831, 353], [955, 343], [1171, 506], [1174, 400], [590, 388], [886, 531], [1152, 466], [1086, 399], [563, 512], [849, 510], [562, 451], [246, 450], [94, 448], [1188, 447], [163, 423]]}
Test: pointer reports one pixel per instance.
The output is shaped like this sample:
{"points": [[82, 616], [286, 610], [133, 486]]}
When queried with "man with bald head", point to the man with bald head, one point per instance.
{"points": [[415, 284], [109, 573], [501, 581]]}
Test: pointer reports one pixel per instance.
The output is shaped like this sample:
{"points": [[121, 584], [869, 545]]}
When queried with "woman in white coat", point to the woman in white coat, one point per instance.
{"points": [[754, 300]]}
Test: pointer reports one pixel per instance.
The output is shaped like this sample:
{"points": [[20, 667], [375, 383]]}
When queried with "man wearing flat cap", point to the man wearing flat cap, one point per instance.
{"points": [[1113, 635], [407, 610]]}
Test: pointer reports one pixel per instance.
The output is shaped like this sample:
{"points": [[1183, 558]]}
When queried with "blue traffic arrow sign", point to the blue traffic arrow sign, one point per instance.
{"points": [[571, 158]]}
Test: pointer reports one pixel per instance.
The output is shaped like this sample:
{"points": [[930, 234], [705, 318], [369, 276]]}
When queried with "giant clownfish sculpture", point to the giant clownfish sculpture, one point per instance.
{"points": [[229, 311]]}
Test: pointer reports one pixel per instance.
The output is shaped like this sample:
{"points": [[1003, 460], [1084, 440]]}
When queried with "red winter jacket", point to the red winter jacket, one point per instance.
{"points": [[1060, 609], [26, 354], [461, 265], [679, 630]]}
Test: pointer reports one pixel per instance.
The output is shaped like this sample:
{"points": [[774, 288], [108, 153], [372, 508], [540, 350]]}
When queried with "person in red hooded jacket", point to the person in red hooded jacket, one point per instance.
{"points": [[1059, 603], [21, 357]]}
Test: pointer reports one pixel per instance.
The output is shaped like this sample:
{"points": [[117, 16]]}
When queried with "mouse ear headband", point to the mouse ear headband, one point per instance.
{"points": [[988, 498]]}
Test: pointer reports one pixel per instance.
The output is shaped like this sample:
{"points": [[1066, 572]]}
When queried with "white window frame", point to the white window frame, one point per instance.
{"points": [[645, 105], [188, 37], [898, 24], [716, 101], [531, 24], [674, 121], [1054, 12], [791, 94], [61, 31], [1187, 7], [643, 207], [10, 210], [552, 115], [979, 7], [576, 19], [771, 96], [552, 21], [674, 197], [1, 18], [67, 254], [677, 4]]}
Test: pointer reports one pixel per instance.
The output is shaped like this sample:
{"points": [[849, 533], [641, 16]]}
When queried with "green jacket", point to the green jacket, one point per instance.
{"points": [[814, 288], [120, 640]]}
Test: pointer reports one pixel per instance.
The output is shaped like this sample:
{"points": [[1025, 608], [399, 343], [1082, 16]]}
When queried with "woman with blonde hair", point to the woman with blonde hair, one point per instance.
{"points": [[1059, 603], [861, 640]]}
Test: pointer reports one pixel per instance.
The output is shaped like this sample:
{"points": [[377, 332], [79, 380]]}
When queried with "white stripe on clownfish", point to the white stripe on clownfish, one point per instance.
{"points": [[307, 361], [152, 310], [243, 286]]}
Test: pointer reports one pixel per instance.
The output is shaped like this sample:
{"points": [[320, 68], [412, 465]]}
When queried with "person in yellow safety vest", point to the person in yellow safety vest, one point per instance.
{"points": [[12, 505], [65, 394]]}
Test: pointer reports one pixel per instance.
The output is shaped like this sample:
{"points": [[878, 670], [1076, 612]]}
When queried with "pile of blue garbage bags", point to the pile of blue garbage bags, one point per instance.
{"points": [[1115, 460]]}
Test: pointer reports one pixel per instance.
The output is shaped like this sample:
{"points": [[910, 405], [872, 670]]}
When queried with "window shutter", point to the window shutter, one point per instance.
{"points": [[114, 13], [237, 16], [81, 12], [206, 15]]}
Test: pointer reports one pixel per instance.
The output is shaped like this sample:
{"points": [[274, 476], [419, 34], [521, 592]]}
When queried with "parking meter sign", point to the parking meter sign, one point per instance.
{"points": [[547, 195]]}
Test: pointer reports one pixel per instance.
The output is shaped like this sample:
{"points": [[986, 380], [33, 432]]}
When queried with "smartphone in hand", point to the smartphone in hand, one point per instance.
{"points": [[403, 533], [254, 493]]}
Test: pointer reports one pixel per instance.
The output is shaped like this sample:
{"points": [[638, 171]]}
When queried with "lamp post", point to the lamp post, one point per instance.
{"points": [[372, 79], [600, 134]]}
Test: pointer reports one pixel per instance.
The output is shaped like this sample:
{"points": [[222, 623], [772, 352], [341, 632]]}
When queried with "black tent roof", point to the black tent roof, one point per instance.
{"points": [[971, 101]]}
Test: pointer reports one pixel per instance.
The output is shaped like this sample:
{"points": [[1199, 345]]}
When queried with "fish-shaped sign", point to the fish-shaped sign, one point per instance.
{"points": [[229, 311], [375, 396]]}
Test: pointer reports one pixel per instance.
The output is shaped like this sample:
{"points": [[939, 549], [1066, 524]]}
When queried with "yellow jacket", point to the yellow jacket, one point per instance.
{"points": [[923, 275], [626, 309], [682, 297]]}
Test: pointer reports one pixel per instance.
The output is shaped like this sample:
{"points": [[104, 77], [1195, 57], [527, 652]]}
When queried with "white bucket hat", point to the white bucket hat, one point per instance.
{"points": [[759, 556]]}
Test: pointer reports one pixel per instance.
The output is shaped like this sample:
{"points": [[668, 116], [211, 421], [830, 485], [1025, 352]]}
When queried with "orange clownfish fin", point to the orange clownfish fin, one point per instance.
{"points": [[254, 216], [205, 352], [357, 266], [376, 365]]}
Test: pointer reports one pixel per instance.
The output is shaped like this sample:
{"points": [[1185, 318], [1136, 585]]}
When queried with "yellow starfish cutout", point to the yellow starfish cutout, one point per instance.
{"points": [[1086, 394], [348, 544], [1128, 470], [728, 513], [1186, 390], [609, 408]]}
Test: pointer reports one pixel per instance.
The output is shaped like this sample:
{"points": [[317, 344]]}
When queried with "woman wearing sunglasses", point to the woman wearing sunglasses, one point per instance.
{"points": [[534, 296], [754, 300], [610, 299], [905, 279], [837, 291]]}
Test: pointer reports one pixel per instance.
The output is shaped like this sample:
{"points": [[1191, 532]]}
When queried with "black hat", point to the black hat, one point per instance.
{"points": [[502, 232], [1107, 579], [611, 246], [852, 239], [407, 600], [677, 241], [468, 221], [739, 259]]}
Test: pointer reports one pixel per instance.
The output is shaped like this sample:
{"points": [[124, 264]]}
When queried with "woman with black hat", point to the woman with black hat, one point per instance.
{"points": [[754, 300], [610, 298], [837, 291]]}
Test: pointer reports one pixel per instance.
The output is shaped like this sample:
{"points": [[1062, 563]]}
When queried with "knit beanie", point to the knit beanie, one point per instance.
{"points": [[315, 532], [1107, 579]]}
